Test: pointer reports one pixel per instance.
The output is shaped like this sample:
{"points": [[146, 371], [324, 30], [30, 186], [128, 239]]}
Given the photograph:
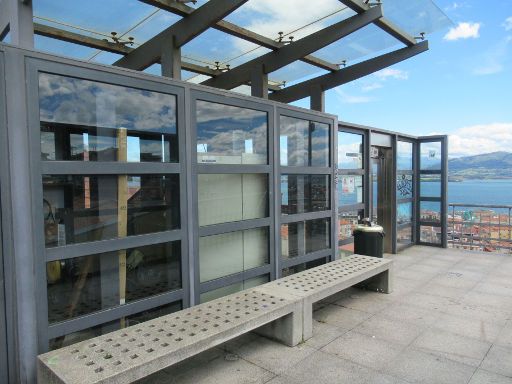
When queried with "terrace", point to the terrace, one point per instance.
{"points": [[449, 320]]}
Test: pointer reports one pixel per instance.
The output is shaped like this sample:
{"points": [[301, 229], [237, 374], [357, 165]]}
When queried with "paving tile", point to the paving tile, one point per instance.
{"points": [[365, 350], [504, 339], [273, 356], [486, 313], [491, 288], [455, 280], [433, 288], [388, 329], [454, 347], [428, 301], [485, 330], [499, 360], [488, 300], [483, 377], [419, 367], [410, 313], [370, 302], [342, 317], [323, 334]]}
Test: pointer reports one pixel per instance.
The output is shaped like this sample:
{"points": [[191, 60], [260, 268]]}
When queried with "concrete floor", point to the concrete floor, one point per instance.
{"points": [[449, 320]]}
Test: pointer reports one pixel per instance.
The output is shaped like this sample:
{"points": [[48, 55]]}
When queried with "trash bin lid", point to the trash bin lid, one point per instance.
{"points": [[365, 228]]}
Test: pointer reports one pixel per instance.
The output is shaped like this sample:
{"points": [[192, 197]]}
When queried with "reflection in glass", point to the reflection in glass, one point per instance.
{"points": [[102, 329], [80, 208], [404, 235], [430, 211], [304, 193], [303, 266], [404, 186], [350, 150], [91, 121], [404, 153], [430, 156], [430, 186], [229, 253], [87, 284], [350, 190], [303, 143], [231, 135], [298, 239], [224, 198], [347, 222], [234, 288], [404, 213]]}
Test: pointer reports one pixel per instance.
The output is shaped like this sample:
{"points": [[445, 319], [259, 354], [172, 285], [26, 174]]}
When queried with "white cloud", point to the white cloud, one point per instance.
{"points": [[391, 73], [463, 31], [508, 24], [480, 139], [493, 59], [351, 99], [371, 87], [452, 7]]}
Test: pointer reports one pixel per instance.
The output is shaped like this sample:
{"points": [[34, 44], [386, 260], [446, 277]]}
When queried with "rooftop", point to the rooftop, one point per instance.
{"points": [[449, 320]]}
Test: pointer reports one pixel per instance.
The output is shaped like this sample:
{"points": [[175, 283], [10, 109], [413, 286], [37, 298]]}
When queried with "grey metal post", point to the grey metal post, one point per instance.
{"points": [[171, 60], [21, 27], [259, 83], [317, 99]]}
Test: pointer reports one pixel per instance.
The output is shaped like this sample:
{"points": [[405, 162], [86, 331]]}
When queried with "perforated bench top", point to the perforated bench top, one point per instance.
{"points": [[134, 352]]}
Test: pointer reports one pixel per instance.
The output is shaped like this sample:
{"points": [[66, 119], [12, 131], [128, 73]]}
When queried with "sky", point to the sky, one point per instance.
{"points": [[460, 87]]}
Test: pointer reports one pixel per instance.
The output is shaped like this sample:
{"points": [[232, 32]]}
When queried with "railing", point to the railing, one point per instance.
{"points": [[480, 227]]}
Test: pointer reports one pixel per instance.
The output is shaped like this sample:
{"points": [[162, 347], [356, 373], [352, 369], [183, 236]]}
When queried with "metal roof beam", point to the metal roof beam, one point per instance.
{"points": [[234, 30], [346, 75], [121, 49], [287, 54], [387, 26], [179, 33]]}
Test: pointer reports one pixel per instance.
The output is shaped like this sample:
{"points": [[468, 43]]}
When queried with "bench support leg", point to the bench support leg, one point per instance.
{"points": [[307, 313], [287, 330], [383, 282]]}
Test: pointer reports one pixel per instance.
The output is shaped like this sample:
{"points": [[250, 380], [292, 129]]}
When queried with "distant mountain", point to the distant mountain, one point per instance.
{"points": [[496, 165]]}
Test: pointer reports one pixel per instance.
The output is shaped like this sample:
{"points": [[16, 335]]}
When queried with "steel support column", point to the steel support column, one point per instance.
{"points": [[317, 99], [16, 19], [259, 83]]}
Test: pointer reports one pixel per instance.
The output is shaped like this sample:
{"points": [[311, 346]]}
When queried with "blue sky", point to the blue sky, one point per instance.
{"points": [[461, 86]]}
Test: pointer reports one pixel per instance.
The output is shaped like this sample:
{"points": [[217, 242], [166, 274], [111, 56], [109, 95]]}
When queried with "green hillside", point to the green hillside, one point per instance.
{"points": [[496, 165]]}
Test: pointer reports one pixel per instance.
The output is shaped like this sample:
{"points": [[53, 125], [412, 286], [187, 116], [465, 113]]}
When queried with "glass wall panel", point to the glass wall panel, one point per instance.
{"points": [[97, 207], [404, 153], [298, 239], [85, 120], [350, 190], [430, 186], [87, 284], [430, 156], [231, 135], [404, 235], [229, 253], [350, 150], [304, 143], [347, 222], [430, 211], [303, 266], [103, 329], [431, 235], [404, 213], [404, 186], [304, 193], [224, 198], [234, 288]]}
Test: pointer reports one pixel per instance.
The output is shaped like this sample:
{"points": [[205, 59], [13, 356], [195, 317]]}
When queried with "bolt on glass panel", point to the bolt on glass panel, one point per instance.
{"points": [[350, 150], [87, 284], [231, 135], [81, 208], [304, 143], [304, 193], [85, 120]]}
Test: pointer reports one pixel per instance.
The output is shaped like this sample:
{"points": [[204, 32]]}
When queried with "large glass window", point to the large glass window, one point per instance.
{"points": [[303, 266], [430, 185], [298, 239], [430, 156], [348, 220], [91, 121], [350, 150], [232, 197], [350, 190], [404, 153], [97, 207], [234, 252], [404, 186], [234, 288], [404, 213], [87, 284], [304, 143], [304, 193], [231, 135]]}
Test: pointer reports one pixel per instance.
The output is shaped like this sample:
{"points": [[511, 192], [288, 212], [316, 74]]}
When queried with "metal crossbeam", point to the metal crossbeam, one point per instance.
{"points": [[287, 54], [121, 49], [234, 30], [384, 24], [346, 75], [179, 33]]}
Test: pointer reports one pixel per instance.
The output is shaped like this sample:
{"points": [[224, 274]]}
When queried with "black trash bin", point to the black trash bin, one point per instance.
{"points": [[368, 240]]}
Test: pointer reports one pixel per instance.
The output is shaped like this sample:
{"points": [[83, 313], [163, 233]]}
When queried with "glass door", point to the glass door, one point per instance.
{"points": [[433, 185]]}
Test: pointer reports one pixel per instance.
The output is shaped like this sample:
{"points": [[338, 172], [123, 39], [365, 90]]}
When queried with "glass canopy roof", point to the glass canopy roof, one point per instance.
{"points": [[291, 19]]}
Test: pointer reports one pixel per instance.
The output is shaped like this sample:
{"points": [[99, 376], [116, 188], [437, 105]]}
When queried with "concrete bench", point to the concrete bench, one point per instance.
{"points": [[135, 352], [318, 283], [282, 309]]}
